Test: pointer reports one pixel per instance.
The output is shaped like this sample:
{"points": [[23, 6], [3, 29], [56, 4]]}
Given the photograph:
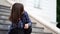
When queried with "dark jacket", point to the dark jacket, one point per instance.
{"points": [[24, 20]]}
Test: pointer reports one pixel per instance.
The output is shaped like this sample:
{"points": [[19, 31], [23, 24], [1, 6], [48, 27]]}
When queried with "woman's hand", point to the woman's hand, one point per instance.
{"points": [[26, 26]]}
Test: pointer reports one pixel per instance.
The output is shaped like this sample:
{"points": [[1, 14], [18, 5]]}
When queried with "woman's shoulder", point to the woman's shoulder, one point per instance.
{"points": [[25, 13]]}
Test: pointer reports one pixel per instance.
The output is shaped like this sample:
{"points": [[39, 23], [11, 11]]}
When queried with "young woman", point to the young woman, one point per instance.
{"points": [[21, 23]]}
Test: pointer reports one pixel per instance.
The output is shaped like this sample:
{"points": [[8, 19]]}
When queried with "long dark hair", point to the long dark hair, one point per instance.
{"points": [[16, 12]]}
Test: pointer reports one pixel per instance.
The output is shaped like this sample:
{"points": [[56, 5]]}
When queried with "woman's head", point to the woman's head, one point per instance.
{"points": [[16, 12]]}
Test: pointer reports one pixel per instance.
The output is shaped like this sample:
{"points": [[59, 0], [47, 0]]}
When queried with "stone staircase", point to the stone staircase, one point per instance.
{"points": [[5, 23]]}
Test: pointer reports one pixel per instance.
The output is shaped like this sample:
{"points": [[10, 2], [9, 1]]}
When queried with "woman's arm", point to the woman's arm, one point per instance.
{"points": [[28, 19]]}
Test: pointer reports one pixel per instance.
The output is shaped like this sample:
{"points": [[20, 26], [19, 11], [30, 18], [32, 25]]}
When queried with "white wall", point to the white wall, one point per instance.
{"points": [[47, 9]]}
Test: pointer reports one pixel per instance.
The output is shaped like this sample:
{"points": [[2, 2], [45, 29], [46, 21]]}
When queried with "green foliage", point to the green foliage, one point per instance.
{"points": [[58, 11]]}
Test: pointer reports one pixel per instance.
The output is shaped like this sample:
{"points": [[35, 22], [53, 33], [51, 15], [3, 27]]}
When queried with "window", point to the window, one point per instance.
{"points": [[33, 3], [36, 3]]}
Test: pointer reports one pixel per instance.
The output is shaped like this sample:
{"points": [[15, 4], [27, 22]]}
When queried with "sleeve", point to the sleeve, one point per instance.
{"points": [[28, 19]]}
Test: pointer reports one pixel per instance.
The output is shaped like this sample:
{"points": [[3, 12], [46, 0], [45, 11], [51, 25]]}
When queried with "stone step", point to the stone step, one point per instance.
{"points": [[5, 22], [5, 11], [5, 32], [37, 29], [34, 24], [3, 17], [4, 7], [4, 14], [40, 33], [8, 23], [34, 29]]}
